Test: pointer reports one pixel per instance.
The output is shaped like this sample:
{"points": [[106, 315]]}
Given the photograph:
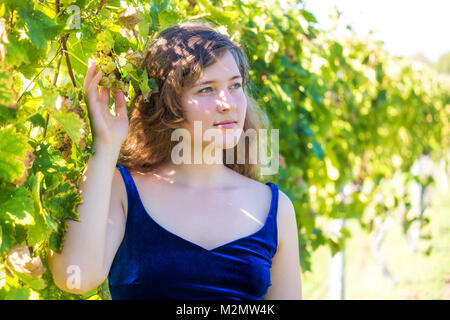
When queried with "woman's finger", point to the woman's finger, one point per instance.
{"points": [[104, 97], [93, 87], [120, 103], [89, 74]]}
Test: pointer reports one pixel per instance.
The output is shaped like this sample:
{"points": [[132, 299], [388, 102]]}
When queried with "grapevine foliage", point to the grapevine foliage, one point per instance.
{"points": [[346, 110]]}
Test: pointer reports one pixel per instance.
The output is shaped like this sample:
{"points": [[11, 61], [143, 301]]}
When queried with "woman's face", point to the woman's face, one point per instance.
{"points": [[221, 99]]}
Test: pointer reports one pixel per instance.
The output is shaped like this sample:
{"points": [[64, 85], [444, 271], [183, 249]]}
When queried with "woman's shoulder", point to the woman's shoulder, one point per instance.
{"points": [[286, 216]]}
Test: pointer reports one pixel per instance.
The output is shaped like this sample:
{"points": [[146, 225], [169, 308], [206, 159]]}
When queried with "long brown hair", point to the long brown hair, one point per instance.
{"points": [[175, 59]]}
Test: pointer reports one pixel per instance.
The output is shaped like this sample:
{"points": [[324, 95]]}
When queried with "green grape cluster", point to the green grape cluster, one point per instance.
{"points": [[111, 76], [63, 143], [102, 44], [106, 63]]}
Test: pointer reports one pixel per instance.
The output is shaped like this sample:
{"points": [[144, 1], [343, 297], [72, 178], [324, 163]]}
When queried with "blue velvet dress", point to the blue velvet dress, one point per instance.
{"points": [[153, 263]]}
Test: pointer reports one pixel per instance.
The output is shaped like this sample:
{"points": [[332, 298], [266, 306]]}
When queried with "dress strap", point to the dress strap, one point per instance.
{"points": [[274, 202], [273, 213]]}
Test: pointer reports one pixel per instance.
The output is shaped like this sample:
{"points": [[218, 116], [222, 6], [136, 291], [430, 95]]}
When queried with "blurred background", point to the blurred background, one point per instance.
{"points": [[389, 264], [411, 28]]}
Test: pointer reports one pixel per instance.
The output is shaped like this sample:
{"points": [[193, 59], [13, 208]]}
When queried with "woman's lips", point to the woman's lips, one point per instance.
{"points": [[226, 125]]}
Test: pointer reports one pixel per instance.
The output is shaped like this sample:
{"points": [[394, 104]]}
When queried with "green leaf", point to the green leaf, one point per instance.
{"points": [[49, 96], [15, 51], [56, 241], [36, 57], [41, 28], [17, 4], [143, 83], [61, 201], [155, 18], [37, 120], [18, 293], [318, 151], [33, 282], [18, 208], [48, 161], [223, 17], [13, 151], [72, 124], [7, 114], [8, 239], [109, 38], [161, 5], [6, 96], [40, 230], [82, 48], [168, 18], [122, 44], [308, 16]]}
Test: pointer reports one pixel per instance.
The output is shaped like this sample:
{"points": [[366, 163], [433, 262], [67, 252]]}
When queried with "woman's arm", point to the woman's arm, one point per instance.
{"points": [[285, 272], [91, 243], [85, 248]]}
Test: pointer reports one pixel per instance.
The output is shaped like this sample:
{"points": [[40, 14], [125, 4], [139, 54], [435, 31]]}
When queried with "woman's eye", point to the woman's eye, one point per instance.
{"points": [[237, 87], [201, 91]]}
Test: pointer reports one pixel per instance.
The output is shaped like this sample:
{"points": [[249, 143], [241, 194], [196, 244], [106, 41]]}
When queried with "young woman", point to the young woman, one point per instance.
{"points": [[161, 229]]}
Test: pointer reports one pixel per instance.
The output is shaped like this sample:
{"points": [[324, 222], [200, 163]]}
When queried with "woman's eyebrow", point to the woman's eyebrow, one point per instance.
{"points": [[213, 81]]}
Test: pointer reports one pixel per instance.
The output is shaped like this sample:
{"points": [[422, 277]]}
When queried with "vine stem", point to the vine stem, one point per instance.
{"points": [[63, 42], [11, 17], [100, 6]]}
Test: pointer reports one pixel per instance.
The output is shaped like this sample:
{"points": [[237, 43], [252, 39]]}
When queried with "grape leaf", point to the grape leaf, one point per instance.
{"points": [[33, 282], [56, 241], [82, 49], [13, 149], [161, 5], [18, 208], [41, 28], [143, 83], [6, 96], [8, 239], [7, 114], [18, 293], [48, 161], [62, 200], [168, 18], [72, 124], [40, 230], [220, 16], [318, 151]]}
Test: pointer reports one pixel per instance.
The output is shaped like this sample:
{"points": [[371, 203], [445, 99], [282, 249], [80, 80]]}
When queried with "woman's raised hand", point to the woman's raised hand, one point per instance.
{"points": [[108, 130]]}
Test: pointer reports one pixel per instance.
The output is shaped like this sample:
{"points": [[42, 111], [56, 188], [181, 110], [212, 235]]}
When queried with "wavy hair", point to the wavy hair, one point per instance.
{"points": [[175, 59]]}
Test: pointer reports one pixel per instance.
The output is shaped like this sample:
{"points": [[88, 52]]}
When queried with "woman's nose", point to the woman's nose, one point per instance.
{"points": [[225, 100]]}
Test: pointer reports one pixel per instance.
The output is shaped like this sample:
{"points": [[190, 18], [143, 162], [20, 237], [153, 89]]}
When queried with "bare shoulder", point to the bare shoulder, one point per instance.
{"points": [[286, 218], [285, 273], [119, 190], [285, 204]]}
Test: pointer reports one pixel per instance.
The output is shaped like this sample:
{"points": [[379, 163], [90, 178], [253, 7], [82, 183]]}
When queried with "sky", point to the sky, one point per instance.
{"points": [[407, 27]]}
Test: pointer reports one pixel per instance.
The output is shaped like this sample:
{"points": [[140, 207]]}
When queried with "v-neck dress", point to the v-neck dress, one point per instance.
{"points": [[153, 263]]}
